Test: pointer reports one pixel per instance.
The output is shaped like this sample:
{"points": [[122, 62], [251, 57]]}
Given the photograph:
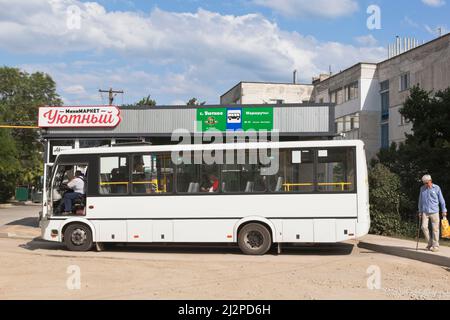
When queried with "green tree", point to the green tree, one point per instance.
{"points": [[9, 165], [21, 95], [194, 102], [425, 151], [146, 102]]}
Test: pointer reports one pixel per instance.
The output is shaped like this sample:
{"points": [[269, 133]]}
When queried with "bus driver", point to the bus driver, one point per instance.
{"points": [[77, 185]]}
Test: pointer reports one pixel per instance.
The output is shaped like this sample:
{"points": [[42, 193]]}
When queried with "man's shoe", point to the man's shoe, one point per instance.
{"points": [[434, 249], [429, 248], [66, 213]]}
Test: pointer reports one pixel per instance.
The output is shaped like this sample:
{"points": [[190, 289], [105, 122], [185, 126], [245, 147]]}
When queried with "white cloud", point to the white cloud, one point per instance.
{"points": [[76, 89], [367, 40], [304, 8], [198, 54], [434, 3]]}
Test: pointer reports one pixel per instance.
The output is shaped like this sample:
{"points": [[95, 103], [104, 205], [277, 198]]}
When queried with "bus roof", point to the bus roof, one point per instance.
{"points": [[228, 146]]}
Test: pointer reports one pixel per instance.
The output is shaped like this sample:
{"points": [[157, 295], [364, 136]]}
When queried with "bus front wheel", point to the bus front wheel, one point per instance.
{"points": [[78, 237], [254, 239]]}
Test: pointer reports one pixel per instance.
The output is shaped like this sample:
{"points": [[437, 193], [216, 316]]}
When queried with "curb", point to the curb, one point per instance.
{"points": [[423, 256]]}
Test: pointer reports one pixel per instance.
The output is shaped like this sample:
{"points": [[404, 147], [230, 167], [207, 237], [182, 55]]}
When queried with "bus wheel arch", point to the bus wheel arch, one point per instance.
{"points": [[255, 236], [78, 235]]}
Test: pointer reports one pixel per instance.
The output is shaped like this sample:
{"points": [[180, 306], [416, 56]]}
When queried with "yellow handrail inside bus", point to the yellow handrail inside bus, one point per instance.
{"points": [[288, 186], [153, 182]]}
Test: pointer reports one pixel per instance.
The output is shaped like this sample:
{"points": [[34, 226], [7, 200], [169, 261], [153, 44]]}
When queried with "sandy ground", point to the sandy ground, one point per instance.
{"points": [[39, 270], [26, 214]]}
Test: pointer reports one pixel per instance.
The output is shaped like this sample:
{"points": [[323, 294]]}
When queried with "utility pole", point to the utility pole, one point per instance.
{"points": [[111, 94]]}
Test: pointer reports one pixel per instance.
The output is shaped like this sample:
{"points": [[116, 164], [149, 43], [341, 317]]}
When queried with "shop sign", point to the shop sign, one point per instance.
{"points": [[79, 117], [235, 118]]}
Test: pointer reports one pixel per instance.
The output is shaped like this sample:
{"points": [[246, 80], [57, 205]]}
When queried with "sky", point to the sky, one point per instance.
{"points": [[174, 50]]}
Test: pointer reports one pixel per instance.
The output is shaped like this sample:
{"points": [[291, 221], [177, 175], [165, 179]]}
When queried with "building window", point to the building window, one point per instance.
{"points": [[351, 91], [347, 123], [404, 82], [384, 86], [385, 136], [354, 122], [340, 96], [384, 100], [337, 96], [333, 97]]}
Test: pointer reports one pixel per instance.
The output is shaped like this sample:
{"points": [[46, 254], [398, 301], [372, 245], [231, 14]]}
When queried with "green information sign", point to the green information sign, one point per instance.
{"points": [[235, 118], [257, 119], [211, 119]]}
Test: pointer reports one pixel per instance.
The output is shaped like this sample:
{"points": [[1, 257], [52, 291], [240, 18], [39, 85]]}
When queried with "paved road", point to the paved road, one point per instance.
{"points": [[19, 212], [38, 270]]}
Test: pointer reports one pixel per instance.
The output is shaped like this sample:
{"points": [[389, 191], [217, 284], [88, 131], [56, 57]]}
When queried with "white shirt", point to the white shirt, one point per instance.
{"points": [[77, 185]]}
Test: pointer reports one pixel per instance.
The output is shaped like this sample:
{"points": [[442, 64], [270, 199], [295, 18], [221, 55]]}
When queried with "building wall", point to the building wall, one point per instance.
{"points": [[397, 128], [233, 96], [267, 93], [366, 107], [428, 66]]}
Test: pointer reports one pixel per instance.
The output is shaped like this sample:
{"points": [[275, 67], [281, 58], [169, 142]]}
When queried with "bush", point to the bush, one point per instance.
{"points": [[385, 198]]}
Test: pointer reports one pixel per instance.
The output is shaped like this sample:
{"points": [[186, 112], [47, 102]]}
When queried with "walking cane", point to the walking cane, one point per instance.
{"points": [[418, 231]]}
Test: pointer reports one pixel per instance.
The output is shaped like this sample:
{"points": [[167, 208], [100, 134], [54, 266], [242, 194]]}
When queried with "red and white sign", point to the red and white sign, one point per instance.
{"points": [[79, 117]]}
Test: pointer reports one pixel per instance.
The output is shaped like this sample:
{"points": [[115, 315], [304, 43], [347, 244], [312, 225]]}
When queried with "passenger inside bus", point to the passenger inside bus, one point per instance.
{"points": [[210, 183]]}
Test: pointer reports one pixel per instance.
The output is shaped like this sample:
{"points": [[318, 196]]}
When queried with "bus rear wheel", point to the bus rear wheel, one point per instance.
{"points": [[254, 239], [78, 237]]}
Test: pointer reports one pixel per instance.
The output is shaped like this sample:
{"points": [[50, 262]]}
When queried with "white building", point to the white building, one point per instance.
{"points": [[267, 93], [368, 96]]}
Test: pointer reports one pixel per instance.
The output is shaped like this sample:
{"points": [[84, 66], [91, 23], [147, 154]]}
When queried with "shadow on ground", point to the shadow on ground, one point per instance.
{"points": [[339, 249], [26, 222]]}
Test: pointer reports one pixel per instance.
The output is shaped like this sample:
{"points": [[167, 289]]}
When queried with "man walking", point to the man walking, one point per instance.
{"points": [[430, 198]]}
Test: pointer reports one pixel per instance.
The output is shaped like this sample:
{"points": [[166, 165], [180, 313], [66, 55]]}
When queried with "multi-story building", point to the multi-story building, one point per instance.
{"points": [[355, 93], [267, 93], [368, 96], [427, 66]]}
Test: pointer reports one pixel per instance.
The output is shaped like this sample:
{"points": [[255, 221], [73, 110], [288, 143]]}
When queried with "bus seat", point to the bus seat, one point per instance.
{"points": [[249, 187], [104, 189], [279, 186], [196, 188], [191, 187]]}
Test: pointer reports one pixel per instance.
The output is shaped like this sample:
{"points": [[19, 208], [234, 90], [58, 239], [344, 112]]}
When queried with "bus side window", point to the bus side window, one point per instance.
{"points": [[336, 170], [114, 175], [296, 172], [152, 174], [198, 178], [244, 176]]}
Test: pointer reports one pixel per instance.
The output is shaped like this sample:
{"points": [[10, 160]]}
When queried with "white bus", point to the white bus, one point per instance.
{"points": [[310, 192]]}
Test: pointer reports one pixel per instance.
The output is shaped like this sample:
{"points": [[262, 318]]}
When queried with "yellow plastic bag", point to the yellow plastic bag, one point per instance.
{"points": [[445, 229]]}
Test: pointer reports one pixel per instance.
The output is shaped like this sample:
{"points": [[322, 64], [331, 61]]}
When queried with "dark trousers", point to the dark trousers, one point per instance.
{"points": [[68, 198]]}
